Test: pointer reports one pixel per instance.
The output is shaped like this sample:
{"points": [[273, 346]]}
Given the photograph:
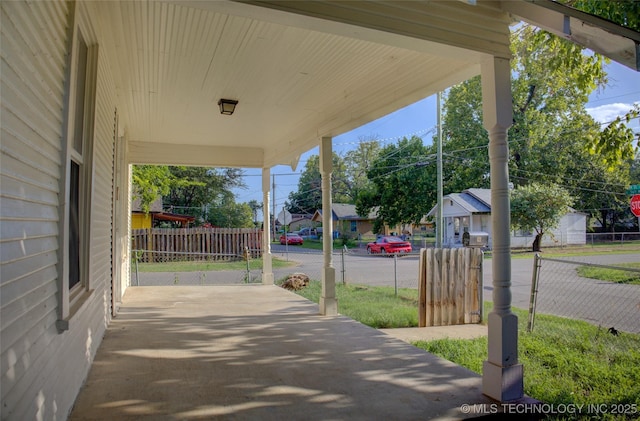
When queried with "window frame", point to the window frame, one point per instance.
{"points": [[79, 120]]}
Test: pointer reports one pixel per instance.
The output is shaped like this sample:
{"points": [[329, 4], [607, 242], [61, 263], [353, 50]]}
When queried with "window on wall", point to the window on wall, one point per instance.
{"points": [[75, 223], [77, 166], [74, 226], [354, 226]]}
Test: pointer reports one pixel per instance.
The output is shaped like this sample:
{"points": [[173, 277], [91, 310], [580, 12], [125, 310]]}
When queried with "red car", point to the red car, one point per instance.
{"points": [[389, 245], [291, 238]]}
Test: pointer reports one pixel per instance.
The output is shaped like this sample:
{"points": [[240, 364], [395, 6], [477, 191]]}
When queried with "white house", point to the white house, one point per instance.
{"points": [[91, 87], [470, 211]]}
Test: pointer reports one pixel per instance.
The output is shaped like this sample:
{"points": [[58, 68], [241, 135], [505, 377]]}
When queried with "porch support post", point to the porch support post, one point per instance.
{"points": [[267, 266], [502, 377], [328, 302]]}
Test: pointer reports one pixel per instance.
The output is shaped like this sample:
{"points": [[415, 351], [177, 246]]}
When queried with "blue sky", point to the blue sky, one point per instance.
{"points": [[622, 91]]}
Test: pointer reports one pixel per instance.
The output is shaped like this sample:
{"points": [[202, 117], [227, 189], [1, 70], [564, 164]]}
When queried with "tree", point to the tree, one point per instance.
{"points": [[552, 138], [194, 188], [255, 207], [550, 86], [465, 140], [308, 198], [358, 161], [538, 207], [402, 184], [187, 190], [149, 183], [625, 13], [616, 142], [225, 212]]}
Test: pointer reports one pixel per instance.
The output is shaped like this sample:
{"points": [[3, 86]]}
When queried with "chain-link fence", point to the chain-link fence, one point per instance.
{"points": [[193, 268], [353, 266], [612, 238], [581, 288]]}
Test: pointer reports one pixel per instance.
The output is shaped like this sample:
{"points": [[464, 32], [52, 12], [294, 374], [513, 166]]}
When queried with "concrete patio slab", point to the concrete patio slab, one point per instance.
{"points": [[413, 334], [260, 352]]}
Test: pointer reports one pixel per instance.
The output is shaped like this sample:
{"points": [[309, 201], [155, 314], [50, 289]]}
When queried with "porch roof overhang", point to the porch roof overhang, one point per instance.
{"points": [[301, 70], [599, 35]]}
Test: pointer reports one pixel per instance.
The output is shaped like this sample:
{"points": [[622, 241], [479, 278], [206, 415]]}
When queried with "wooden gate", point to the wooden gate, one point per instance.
{"points": [[450, 286]]}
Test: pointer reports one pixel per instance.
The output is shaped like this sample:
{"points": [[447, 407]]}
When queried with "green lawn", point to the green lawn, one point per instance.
{"points": [[377, 307], [565, 361], [208, 266], [612, 275], [572, 251]]}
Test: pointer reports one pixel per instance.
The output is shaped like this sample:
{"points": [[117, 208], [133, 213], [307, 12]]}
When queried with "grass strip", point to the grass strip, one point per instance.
{"points": [[611, 275], [208, 266], [566, 362], [377, 307]]}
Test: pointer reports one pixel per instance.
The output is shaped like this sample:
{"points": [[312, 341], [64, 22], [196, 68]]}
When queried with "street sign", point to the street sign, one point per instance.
{"points": [[284, 217], [635, 205], [633, 189]]}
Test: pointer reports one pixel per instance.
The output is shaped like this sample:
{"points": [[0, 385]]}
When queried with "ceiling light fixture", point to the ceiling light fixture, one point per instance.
{"points": [[227, 106]]}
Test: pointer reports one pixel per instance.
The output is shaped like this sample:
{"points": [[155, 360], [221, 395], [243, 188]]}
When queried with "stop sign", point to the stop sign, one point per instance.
{"points": [[635, 205]]}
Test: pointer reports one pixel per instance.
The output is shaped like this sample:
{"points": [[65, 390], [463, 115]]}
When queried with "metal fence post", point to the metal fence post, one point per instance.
{"points": [[534, 291], [247, 257], [135, 253], [395, 273], [344, 250]]}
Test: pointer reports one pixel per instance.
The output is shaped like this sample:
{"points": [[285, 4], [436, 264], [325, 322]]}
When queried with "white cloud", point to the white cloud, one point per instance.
{"points": [[608, 113]]}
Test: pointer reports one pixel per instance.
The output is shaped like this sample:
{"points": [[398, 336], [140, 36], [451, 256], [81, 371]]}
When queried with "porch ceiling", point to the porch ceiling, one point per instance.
{"points": [[297, 74]]}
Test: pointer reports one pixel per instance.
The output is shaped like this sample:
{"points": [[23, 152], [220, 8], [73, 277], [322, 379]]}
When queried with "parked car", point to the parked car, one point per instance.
{"points": [[307, 232], [389, 244], [336, 234], [291, 238]]}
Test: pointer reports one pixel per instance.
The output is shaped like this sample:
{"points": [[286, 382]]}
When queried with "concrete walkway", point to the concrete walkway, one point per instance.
{"points": [[413, 334], [264, 353]]}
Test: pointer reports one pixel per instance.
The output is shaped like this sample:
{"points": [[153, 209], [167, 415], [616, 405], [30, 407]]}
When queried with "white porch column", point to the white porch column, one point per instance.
{"points": [[267, 266], [502, 374], [328, 302]]}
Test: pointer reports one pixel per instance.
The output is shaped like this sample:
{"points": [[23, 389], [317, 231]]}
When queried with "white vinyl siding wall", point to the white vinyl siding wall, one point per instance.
{"points": [[42, 370]]}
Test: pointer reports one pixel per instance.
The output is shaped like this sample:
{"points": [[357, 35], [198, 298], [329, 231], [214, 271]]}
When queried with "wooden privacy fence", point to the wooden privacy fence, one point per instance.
{"points": [[172, 244], [450, 286]]}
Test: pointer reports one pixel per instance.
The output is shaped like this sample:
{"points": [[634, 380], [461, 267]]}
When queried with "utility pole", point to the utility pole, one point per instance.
{"points": [[440, 219], [273, 204]]}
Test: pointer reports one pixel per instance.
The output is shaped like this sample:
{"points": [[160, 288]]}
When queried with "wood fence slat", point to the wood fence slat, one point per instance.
{"points": [[444, 287], [431, 266], [454, 270], [172, 244], [453, 279], [476, 286], [437, 288], [464, 296], [422, 289], [450, 286]]}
